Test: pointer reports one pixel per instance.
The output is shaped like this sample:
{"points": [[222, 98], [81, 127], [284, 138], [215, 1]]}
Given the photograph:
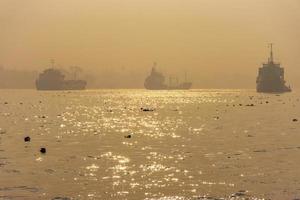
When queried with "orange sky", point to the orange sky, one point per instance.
{"points": [[219, 43]]}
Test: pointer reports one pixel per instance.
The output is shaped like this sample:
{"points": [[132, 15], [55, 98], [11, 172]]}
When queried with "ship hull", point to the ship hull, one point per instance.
{"points": [[284, 89], [65, 85], [183, 86]]}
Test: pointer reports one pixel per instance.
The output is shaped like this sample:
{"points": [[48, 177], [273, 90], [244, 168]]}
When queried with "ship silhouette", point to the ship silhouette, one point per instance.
{"points": [[156, 81], [271, 77], [54, 79]]}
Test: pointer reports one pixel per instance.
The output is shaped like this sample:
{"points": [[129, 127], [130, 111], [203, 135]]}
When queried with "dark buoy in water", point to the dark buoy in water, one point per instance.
{"points": [[295, 120], [127, 136], [2, 131], [61, 198], [147, 110], [27, 139], [43, 150]]}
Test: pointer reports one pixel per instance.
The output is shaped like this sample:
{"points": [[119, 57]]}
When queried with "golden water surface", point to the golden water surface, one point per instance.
{"points": [[197, 144]]}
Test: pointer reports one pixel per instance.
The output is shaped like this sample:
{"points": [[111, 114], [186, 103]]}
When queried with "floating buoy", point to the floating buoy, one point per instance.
{"points": [[43, 150], [27, 139]]}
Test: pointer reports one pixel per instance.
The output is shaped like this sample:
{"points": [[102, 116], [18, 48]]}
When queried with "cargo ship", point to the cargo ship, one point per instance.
{"points": [[156, 81], [271, 77], [54, 79]]}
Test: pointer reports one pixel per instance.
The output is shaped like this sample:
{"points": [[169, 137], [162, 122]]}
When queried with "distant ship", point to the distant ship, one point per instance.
{"points": [[53, 79], [156, 81], [271, 77]]}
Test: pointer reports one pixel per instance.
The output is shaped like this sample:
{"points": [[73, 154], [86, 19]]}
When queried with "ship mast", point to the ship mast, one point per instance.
{"points": [[154, 65], [153, 70], [271, 59], [52, 63]]}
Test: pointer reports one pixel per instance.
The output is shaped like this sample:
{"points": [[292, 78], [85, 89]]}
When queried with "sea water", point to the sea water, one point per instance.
{"points": [[160, 145]]}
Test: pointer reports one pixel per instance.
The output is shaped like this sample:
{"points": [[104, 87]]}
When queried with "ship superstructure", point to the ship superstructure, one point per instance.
{"points": [[271, 77]]}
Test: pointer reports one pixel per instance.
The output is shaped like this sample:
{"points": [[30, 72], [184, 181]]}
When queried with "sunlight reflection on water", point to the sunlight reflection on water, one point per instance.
{"points": [[137, 144]]}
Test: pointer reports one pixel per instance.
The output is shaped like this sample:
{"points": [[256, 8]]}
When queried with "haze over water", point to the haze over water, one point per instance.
{"points": [[198, 144], [219, 43], [221, 143]]}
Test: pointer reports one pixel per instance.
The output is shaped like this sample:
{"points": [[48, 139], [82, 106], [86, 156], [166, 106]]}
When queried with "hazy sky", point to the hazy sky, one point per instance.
{"points": [[220, 43]]}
